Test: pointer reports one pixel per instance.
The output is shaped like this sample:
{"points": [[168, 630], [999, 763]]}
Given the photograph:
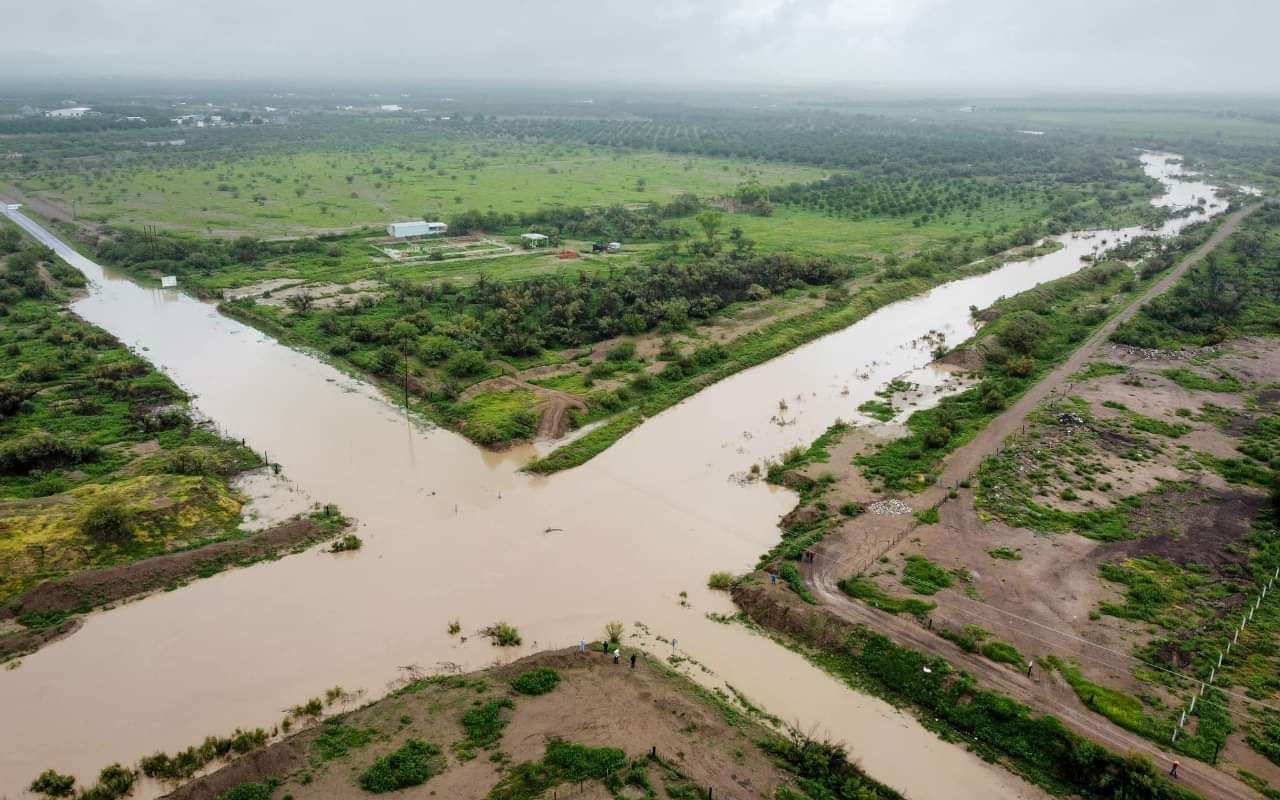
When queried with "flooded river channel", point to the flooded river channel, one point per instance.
{"points": [[452, 531]]}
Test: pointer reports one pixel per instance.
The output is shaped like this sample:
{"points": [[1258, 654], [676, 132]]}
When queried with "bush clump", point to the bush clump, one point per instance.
{"points": [[721, 580], [108, 521], [536, 681], [254, 790], [505, 635], [51, 783], [411, 765], [346, 544]]}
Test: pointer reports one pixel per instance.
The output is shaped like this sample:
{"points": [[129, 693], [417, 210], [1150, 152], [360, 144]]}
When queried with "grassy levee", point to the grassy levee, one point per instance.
{"points": [[748, 351], [1038, 747]]}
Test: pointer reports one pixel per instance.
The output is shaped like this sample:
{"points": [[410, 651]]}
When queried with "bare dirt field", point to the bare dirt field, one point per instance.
{"points": [[1133, 451]]}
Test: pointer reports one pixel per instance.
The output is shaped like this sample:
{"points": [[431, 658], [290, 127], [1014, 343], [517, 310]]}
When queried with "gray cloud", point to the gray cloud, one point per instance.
{"points": [[1106, 44]]}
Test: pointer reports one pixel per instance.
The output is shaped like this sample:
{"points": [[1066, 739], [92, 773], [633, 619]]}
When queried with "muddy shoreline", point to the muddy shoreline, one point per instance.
{"points": [[85, 591]]}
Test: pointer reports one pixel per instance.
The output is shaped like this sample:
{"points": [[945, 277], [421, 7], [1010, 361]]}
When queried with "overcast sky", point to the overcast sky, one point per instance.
{"points": [[1164, 45]]}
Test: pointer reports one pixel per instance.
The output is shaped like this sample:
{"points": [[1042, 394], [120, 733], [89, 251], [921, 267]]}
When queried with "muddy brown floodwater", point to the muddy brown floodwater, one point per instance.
{"points": [[452, 531]]}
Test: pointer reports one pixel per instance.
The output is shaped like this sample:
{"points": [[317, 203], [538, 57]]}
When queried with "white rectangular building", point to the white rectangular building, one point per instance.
{"points": [[68, 113], [401, 230]]}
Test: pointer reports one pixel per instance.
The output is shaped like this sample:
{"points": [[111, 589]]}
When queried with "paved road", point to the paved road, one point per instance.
{"points": [[836, 554]]}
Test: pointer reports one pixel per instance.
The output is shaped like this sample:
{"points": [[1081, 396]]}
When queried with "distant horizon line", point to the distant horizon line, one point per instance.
{"points": [[885, 89]]}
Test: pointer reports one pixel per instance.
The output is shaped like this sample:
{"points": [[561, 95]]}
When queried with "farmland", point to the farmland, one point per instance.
{"points": [[297, 194], [815, 229]]}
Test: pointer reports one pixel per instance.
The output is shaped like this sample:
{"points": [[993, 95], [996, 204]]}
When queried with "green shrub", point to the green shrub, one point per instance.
{"points": [[411, 765], [536, 681], [505, 635], [1194, 381], [346, 544], [579, 763], [53, 784], [336, 740], [113, 783], [928, 516], [1005, 553], [108, 521], [1003, 652], [41, 450], [613, 631], [791, 575], [466, 364], [923, 576], [484, 723], [871, 594], [624, 351], [722, 581], [254, 790]]}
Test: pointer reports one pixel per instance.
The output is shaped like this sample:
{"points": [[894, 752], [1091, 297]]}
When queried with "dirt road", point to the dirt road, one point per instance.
{"points": [[963, 463], [860, 543]]}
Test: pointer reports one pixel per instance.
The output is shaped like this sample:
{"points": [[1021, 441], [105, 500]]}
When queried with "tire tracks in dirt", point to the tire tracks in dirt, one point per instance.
{"points": [[860, 544]]}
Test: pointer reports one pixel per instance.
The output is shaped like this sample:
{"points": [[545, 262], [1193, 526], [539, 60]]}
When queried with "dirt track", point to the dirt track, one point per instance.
{"points": [[554, 408], [964, 462], [859, 543]]}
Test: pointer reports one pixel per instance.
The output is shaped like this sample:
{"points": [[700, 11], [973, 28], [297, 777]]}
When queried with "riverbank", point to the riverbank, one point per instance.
{"points": [[457, 533], [632, 727], [985, 595], [50, 610]]}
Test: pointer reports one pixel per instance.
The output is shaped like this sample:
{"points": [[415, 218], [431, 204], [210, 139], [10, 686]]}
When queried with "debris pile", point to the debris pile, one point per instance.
{"points": [[890, 508]]}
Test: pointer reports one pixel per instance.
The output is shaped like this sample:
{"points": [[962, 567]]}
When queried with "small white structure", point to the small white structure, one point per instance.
{"points": [[390, 107], [614, 247], [168, 281], [68, 113], [535, 239], [403, 230]]}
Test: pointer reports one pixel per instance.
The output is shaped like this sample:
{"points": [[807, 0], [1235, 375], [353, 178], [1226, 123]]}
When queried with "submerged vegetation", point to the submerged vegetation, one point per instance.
{"points": [[101, 462]]}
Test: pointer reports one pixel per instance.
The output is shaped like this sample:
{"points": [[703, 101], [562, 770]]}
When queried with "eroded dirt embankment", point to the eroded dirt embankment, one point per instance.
{"points": [[645, 710], [87, 590]]}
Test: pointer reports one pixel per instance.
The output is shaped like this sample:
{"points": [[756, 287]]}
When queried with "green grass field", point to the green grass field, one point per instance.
{"points": [[276, 195], [809, 233]]}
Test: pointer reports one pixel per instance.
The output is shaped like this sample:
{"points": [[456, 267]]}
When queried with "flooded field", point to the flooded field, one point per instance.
{"points": [[452, 531]]}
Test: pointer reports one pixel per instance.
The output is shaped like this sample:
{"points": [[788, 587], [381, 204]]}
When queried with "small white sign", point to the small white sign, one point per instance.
{"points": [[168, 281]]}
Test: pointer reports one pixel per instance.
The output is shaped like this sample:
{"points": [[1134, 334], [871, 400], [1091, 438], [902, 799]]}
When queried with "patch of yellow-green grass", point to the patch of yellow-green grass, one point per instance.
{"points": [[498, 417], [43, 538]]}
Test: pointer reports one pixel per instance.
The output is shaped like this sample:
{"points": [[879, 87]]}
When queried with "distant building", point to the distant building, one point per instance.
{"points": [[535, 239], [402, 230], [69, 113], [391, 107]]}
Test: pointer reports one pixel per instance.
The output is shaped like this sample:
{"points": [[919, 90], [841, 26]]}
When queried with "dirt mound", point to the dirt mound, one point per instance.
{"points": [[648, 709], [967, 358]]}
